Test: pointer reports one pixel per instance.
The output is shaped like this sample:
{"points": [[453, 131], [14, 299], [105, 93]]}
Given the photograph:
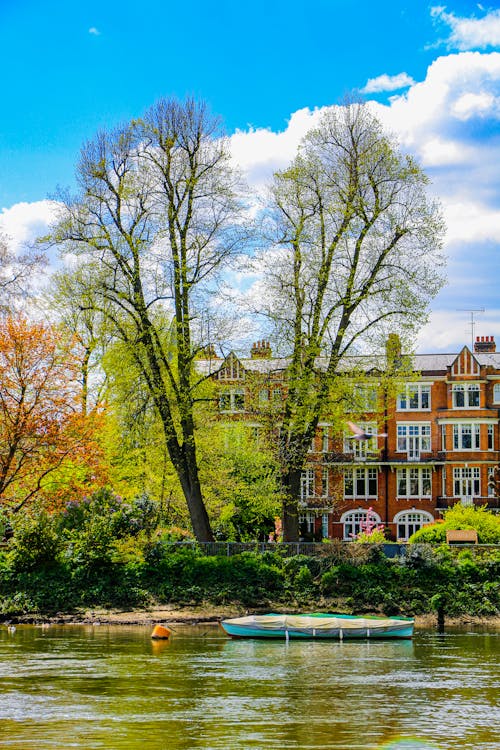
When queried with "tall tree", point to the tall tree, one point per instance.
{"points": [[355, 253], [158, 209]]}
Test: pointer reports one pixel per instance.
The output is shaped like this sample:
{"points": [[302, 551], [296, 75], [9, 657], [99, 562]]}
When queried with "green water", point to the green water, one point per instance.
{"points": [[112, 687]]}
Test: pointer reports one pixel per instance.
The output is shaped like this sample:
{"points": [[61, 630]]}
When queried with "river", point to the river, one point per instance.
{"points": [[113, 687]]}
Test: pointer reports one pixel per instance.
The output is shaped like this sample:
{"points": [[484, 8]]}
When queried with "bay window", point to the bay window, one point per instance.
{"points": [[466, 436]]}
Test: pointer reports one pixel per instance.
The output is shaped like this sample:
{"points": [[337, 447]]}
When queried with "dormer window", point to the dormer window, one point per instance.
{"points": [[465, 396]]}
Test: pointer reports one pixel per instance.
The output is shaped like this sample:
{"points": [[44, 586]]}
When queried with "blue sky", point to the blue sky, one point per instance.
{"points": [[267, 68]]}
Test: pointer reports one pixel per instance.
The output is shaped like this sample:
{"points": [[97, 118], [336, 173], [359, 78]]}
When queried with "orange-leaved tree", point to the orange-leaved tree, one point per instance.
{"points": [[43, 432]]}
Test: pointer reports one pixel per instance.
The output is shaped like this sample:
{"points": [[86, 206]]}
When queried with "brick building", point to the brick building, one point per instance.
{"points": [[442, 444]]}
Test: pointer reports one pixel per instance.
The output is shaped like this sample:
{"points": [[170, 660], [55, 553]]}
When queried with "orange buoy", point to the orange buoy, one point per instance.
{"points": [[160, 633]]}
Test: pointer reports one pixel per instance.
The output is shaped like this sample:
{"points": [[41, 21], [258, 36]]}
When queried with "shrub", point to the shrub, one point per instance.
{"points": [[35, 542], [486, 523]]}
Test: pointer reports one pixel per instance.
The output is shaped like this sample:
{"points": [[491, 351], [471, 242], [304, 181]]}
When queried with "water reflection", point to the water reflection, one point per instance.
{"points": [[113, 687]]}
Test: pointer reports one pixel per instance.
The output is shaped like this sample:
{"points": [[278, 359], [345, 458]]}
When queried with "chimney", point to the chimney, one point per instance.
{"points": [[485, 344], [261, 350]]}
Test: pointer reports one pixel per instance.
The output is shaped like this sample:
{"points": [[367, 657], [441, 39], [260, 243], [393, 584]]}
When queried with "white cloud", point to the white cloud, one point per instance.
{"points": [[471, 33], [260, 151], [471, 222], [450, 122], [387, 83], [472, 104], [24, 222], [94, 31]]}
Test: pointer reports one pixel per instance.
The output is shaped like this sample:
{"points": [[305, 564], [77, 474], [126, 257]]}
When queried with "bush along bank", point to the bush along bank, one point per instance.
{"points": [[53, 578]]}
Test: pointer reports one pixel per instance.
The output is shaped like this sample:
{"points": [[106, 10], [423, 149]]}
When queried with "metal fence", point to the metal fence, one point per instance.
{"points": [[285, 549], [335, 548]]}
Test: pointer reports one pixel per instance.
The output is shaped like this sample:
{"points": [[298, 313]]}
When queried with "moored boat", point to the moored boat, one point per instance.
{"points": [[318, 626]]}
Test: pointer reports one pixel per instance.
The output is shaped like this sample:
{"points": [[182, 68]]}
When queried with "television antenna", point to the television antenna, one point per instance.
{"points": [[472, 323]]}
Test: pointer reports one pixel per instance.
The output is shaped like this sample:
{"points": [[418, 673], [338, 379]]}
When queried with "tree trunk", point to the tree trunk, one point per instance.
{"points": [[290, 482]]}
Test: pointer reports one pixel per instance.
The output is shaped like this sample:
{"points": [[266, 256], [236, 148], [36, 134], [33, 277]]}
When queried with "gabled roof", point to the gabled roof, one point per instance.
{"points": [[435, 364]]}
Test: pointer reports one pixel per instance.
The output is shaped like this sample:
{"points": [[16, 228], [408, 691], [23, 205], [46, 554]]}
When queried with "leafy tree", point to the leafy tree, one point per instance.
{"points": [[238, 471], [42, 430], [133, 439], [157, 211], [354, 254]]}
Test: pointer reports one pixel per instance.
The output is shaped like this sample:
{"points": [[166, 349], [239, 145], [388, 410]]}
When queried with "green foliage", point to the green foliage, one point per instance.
{"points": [[238, 472], [486, 523], [36, 542]]}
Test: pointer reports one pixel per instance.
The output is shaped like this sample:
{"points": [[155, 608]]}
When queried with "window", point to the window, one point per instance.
{"points": [[465, 437], [324, 525], [361, 448], [465, 396], [276, 395], [413, 439], [232, 399], [414, 482], [496, 393], [491, 439], [325, 438], [306, 523], [307, 484], [264, 396], [353, 521], [232, 369], [408, 522], [466, 483], [324, 483], [364, 398], [415, 396], [360, 483]]}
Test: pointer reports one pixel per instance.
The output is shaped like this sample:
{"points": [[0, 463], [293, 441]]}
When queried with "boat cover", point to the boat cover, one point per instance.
{"points": [[317, 623]]}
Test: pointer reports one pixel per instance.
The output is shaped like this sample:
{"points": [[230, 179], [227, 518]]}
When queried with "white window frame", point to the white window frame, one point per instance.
{"points": [[307, 484], [361, 448], [410, 521], [467, 389], [413, 438], [234, 399], [414, 396], [364, 399], [324, 525], [325, 438], [464, 433], [413, 481], [351, 522], [496, 393], [308, 518], [325, 482], [465, 478], [361, 480]]}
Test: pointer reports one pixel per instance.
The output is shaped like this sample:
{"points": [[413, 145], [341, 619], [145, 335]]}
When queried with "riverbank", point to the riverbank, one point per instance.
{"points": [[204, 615]]}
